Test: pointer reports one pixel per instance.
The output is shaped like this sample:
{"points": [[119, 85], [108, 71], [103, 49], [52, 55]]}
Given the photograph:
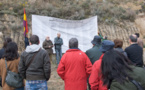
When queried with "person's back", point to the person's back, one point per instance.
{"points": [[34, 65], [12, 59], [137, 74], [12, 66], [94, 53], [135, 54], [134, 51], [74, 69]]}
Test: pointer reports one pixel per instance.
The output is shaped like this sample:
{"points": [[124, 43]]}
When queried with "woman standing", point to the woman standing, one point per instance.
{"points": [[118, 73], [118, 46], [12, 58]]}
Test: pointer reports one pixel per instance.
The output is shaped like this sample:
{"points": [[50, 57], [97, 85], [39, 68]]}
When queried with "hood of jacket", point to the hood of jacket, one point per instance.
{"points": [[32, 48]]}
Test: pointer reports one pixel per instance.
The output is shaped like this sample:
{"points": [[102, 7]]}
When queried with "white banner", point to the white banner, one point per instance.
{"points": [[83, 30]]}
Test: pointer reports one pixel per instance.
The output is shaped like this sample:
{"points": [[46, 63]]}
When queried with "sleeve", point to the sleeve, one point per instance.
{"points": [[61, 68], [22, 67], [94, 78], [44, 45], [88, 66], [47, 66]]}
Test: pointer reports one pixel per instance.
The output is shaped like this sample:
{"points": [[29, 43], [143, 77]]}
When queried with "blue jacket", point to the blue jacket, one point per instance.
{"points": [[58, 42]]}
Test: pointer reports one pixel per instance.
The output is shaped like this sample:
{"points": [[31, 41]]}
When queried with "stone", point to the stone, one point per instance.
{"points": [[1, 34]]}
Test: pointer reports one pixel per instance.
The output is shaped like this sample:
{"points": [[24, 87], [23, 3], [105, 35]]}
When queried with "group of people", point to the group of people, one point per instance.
{"points": [[105, 66]]}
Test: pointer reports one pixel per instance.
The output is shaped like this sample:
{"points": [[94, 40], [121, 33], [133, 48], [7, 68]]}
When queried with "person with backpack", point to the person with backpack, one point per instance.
{"points": [[8, 64], [118, 73], [35, 66]]}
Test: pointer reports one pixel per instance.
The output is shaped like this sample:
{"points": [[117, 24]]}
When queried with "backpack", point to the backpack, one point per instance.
{"points": [[13, 79]]}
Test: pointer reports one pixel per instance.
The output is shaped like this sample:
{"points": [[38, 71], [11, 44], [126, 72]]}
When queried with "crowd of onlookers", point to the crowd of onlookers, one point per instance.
{"points": [[104, 66]]}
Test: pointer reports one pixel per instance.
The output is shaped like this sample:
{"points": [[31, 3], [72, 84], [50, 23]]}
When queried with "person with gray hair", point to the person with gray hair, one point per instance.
{"points": [[74, 67], [48, 45], [134, 51], [58, 42]]}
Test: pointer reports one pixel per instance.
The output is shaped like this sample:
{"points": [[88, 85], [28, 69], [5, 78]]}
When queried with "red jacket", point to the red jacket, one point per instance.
{"points": [[95, 77], [74, 68]]}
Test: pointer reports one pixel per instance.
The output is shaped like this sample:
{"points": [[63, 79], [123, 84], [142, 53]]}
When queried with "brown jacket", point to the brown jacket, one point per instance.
{"points": [[13, 66], [46, 45]]}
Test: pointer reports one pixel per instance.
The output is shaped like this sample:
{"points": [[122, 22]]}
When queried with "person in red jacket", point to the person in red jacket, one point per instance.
{"points": [[95, 77], [74, 67]]}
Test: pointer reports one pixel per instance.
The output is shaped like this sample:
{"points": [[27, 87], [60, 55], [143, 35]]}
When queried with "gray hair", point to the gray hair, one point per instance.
{"points": [[73, 43], [133, 38]]}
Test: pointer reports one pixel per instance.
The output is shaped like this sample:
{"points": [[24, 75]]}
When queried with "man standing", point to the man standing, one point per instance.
{"points": [[34, 66], [58, 42], [94, 53], [75, 67], [134, 51], [47, 45]]}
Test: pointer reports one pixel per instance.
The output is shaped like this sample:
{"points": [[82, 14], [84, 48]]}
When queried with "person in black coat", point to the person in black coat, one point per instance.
{"points": [[134, 51], [6, 41]]}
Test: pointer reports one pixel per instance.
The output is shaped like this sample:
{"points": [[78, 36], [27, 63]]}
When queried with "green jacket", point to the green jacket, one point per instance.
{"points": [[138, 74], [94, 53]]}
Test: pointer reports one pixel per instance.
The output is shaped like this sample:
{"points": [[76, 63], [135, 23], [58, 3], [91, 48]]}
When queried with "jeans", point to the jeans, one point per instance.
{"points": [[22, 88], [58, 55], [36, 86]]}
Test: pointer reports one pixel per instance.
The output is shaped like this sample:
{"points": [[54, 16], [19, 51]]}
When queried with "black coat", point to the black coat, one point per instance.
{"points": [[26, 42], [2, 52], [135, 54]]}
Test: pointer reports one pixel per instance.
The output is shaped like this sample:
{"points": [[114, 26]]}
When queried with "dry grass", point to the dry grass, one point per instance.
{"points": [[108, 12]]}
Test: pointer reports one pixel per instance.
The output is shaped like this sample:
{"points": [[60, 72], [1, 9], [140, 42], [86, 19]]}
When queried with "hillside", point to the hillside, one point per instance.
{"points": [[117, 19]]}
